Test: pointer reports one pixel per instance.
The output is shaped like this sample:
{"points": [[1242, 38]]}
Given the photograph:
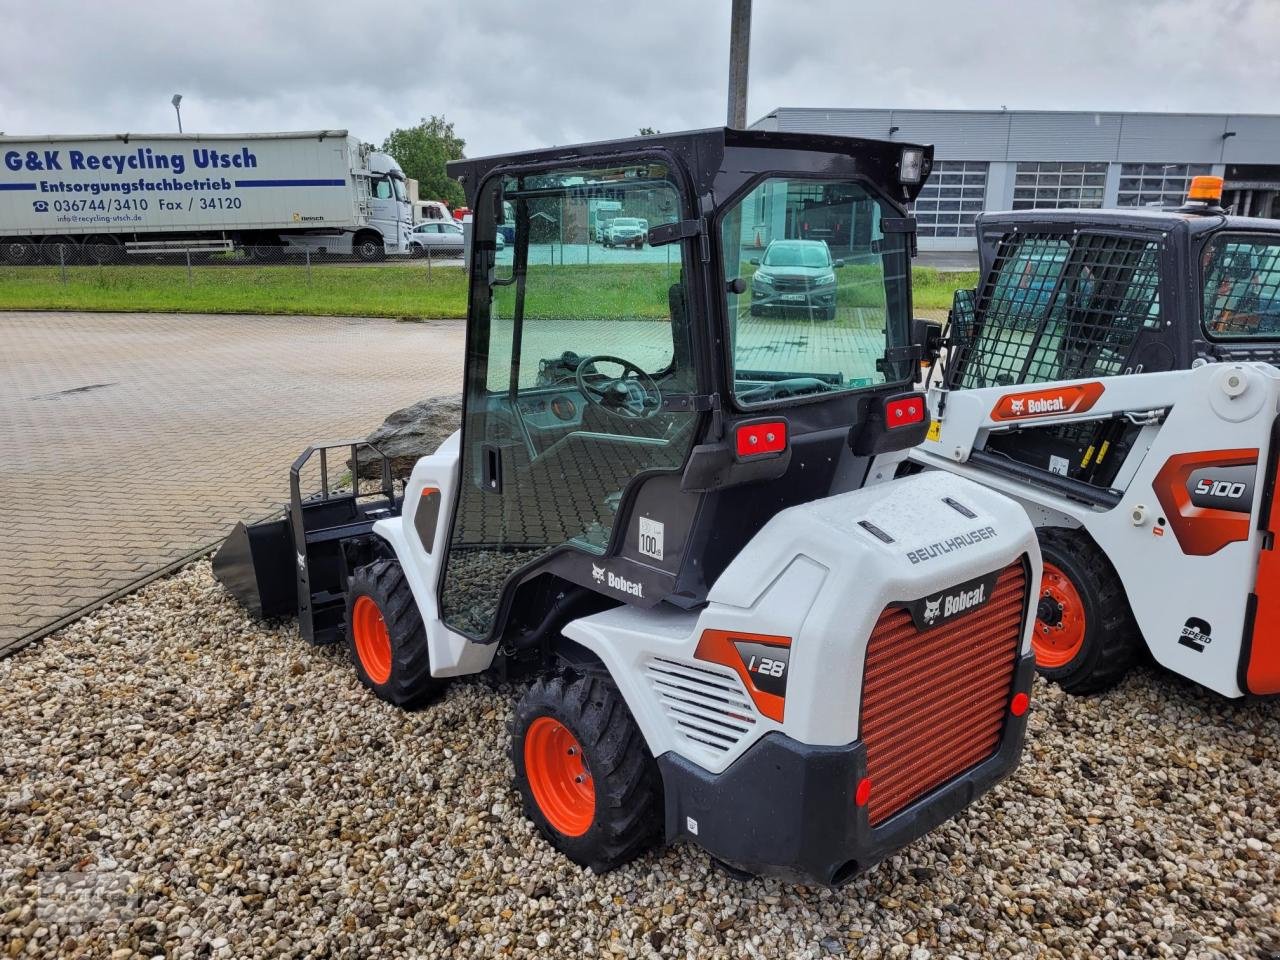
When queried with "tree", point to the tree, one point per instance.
{"points": [[422, 152], [648, 131]]}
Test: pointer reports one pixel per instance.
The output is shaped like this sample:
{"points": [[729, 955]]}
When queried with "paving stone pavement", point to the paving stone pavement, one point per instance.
{"points": [[128, 441]]}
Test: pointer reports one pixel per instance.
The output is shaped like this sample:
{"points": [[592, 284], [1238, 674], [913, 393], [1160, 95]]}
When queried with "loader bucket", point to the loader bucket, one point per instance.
{"points": [[256, 563]]}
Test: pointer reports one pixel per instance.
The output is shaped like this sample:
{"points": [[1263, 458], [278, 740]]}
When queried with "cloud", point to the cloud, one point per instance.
{"points": [[513, 75]]}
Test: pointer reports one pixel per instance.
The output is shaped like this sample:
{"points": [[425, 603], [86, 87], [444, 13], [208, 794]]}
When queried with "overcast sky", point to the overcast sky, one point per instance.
{"points": [[513, 74]]}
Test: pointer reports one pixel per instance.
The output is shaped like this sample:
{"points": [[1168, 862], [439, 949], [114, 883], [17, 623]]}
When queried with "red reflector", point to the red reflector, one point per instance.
{"points": [[863, 796], [904, 411], [1019, 704], [762, 438]]}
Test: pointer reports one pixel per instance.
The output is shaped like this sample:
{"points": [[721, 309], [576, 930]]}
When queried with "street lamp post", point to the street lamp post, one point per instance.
{"points": [[177, 108], [739, 47]]}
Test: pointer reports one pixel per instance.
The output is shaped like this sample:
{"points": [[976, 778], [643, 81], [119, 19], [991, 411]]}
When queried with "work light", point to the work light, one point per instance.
{"points": [[912, 165]]}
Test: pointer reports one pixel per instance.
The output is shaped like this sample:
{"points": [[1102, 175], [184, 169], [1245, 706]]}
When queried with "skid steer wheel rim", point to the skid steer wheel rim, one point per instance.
{"points": [[558, 777], [1060, 622], [373, 643]]}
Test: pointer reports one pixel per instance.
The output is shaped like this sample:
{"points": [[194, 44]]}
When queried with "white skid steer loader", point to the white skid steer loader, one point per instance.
{"points": [[655, 509]]}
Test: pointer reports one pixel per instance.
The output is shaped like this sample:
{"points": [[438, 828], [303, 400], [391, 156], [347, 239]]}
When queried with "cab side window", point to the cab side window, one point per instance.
{"points": [[1241, 287]]}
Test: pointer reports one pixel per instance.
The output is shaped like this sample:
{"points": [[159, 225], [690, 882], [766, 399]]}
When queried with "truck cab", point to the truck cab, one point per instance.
{"points": [[390, 211]]}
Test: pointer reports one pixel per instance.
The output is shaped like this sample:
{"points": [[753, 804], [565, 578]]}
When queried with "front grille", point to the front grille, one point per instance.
{"points": [[791, 283], [934, 702]]}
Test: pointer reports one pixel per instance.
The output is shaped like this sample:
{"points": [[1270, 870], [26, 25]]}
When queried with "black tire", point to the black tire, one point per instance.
{"points": [[18, 251], [369, 247], [1108, 642], [102, 248], [49, 251], [829, 313], [626, 817], [407, 681]]}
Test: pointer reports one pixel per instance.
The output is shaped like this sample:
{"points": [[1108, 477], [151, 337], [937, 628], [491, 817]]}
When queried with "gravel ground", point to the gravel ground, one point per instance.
{"points": [[178, 780]]}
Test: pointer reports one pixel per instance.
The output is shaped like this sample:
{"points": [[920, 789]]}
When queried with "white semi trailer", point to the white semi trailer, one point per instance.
{"points": [[103, 197]]}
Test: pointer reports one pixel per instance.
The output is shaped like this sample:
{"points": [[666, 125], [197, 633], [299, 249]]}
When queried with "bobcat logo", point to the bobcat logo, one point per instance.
{"points": [[932, 610], [597, 573], [1016, 406]]}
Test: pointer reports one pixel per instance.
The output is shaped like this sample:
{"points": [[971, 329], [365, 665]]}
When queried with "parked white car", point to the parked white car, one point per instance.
{"points": [[626, 232], [436, 238]]}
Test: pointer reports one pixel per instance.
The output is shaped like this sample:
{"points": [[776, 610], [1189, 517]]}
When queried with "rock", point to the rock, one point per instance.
{"points": [[412, 432]]}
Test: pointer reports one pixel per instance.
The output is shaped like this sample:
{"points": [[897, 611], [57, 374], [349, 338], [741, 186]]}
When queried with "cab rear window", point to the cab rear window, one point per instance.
{"points": [[1241, 277]]}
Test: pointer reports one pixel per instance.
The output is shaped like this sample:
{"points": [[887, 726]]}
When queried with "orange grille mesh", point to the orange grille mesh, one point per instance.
{"points": [[934, 703]]}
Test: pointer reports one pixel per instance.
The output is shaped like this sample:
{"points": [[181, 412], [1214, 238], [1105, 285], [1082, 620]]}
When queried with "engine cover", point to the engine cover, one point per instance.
{"points": [[782, 643]]}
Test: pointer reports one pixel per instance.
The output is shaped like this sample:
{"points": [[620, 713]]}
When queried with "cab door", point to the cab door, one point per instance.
{"points": [[577, 384]]}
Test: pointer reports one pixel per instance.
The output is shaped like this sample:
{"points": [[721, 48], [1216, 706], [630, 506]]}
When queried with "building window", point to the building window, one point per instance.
{"points": [[951, 198], [1157, 184], [1051, 186]]}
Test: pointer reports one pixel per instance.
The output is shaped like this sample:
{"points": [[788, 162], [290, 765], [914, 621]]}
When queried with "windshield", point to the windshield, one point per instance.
{"points": [[825, 291], [803, 253], [626, 222]]}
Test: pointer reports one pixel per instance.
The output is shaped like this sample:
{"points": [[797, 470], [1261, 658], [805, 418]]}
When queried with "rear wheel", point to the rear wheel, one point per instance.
{"points": [[1085, 639], [385, 636], [102, 248], [18, 250], [59, 250], [585, 773]]}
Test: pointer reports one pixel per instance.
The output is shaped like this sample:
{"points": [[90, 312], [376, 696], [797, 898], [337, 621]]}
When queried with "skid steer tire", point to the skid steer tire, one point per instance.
{"points": [[386, 638], [1085, 639], [585, 774]]}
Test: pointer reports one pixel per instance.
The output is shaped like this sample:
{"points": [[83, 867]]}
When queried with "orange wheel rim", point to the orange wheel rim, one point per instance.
{"points": [[558, 777], [373, 643], [1060, 620]]}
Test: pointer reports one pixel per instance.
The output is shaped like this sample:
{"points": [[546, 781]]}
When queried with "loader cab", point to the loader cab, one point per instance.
{"points": [[1077, 294], [632, 416]]}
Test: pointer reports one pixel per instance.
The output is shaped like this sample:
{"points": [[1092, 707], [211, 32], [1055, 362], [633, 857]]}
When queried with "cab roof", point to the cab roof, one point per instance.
{"points": [[1150, 218], [706, 155]]}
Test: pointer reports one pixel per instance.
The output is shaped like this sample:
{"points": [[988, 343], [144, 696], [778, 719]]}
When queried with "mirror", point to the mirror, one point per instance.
{"points": [[755, 261], [927, 335], [838, 264]]}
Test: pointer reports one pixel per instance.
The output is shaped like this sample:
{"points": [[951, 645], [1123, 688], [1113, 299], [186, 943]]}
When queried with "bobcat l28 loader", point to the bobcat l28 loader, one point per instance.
{"points": [[655, 509], [1109, 375]]}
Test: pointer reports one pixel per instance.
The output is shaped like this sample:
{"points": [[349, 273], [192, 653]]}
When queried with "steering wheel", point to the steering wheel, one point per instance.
{"points": [[626, 397]]}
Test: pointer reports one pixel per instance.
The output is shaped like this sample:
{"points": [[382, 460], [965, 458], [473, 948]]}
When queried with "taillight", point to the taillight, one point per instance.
{"points": [[760, 438], [1019, 704], [863, 795], [904, 411]]}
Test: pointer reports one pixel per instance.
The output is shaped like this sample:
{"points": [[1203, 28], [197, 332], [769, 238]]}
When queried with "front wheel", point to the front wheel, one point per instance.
{"points": [[369, 248], [584, 772], [1085, 639], [386, 636]]}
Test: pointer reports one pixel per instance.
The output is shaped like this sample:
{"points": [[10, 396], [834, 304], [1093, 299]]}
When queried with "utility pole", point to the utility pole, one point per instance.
{"points": [[739, 49]]}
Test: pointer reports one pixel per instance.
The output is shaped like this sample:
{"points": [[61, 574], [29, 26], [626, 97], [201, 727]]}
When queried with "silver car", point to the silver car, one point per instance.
{"points": [[436, 238]]}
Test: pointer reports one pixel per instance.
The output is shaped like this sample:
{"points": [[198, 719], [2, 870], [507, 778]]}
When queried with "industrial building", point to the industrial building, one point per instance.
{"points": [[1024, 159]]}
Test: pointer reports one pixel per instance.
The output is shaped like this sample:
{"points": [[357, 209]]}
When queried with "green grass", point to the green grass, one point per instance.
{"points": [[377, 291], [389, 290]]}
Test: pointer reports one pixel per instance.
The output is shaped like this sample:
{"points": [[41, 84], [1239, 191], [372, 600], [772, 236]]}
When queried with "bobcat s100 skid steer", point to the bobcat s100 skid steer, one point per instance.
{"points": [[1113, 372], [655, 509]]}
